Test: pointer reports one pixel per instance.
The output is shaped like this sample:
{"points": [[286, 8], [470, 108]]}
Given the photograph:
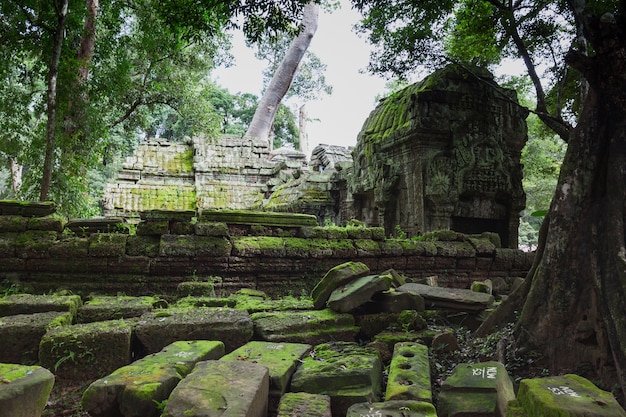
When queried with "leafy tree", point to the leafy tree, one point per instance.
{"points": [[571, 304], [84, 70]]}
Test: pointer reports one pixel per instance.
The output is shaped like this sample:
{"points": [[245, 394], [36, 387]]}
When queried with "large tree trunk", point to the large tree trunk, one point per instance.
{"points": [[575, 310], [281, 81], [51, 110]]}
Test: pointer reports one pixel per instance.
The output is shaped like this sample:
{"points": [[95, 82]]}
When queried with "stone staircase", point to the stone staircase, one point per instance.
{"points": [[247, 355]]}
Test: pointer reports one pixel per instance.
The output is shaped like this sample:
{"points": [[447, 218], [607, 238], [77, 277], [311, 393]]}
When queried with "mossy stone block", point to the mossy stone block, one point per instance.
{"points": [[565, 396], [480, 388], [86, 351], [159, 328], [21, 334], [193, 302], [167, 215], [196, 289], [215, 229], [221, 388], [395, 408], [27, 208], [310, 327], [347, 372], [54, 224], [153, 228], [280, 358], [143, 246], [135, 389], [24, 390], [10, 223], [358, 292], [409, 373], [69, 247], [34, 243], [255, 304], [266, 218], [31, 303], [102, 308], [107, 244], [178, 245], [334, 278], [303, 404], [213, 247]]}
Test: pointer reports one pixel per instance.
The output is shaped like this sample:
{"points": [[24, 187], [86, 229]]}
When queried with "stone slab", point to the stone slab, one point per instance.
{"points": [[335, 277], [86, 351], [29, 303], [347, 372], [21, 334], [101, 308], [482, 389], [24, 390], [409, 373], [303, 404], [310, 327], [450, 298], [565, 396], [392, 409], [280, 358], [221, 388], [356, 293], [159, 328], [136, 389]]}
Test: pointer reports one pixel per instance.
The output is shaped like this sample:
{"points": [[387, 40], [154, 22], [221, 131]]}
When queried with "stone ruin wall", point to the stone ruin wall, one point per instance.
{"points": [[46, 254]]}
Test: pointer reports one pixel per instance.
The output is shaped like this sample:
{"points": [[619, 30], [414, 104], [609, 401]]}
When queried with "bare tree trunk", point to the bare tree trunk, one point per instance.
{"points": [[281, 81], [53, 73], [304, 137], [16, 175]]}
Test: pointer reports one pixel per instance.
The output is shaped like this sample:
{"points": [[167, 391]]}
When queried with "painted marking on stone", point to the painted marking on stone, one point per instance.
{"points": [[563, 390], [489, 372]]}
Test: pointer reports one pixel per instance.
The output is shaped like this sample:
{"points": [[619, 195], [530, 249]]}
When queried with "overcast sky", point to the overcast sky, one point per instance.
{"points": [[341, 114]]}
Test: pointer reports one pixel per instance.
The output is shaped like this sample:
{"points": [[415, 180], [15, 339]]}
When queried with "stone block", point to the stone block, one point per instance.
{"points": [[34, 243], [395, 408], [347, 372], [212, 247], [21, 334], [334, 278], [178, 245], [46, 223], [14, 224], [143, 245], [310, 327], [153, 228], [29, 303], [394, 301], [86, 227], [409, 373], [450, 298], [101, 308], [25, 390], [303, 404], [482, 389], [215, 229], [107, 244], [564, 396], [357, 292], [134, 390], [157, 329], [86, 351], [221, 388], [69, 248]]}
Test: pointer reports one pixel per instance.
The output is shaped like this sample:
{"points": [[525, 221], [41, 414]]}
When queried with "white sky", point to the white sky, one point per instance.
{"points": [[341, 115]]}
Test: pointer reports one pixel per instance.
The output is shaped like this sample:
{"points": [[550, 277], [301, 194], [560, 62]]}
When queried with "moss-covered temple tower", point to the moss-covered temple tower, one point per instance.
{"points": [[443, 153]]}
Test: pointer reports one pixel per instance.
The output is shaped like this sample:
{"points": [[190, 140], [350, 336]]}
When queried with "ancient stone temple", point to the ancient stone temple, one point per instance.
{"points": [[443, 154]]}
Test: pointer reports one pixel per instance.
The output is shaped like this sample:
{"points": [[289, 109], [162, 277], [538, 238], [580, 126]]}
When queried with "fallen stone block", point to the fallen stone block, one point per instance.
{"points": [[450, 298], [310, 327], [482, 389], [157, 329], [221, 388], [303, 404], [409, 373], [86, 351], [334, 278], [392, 409], [136, 389], [21, 334], [29, 303], [564, 396], [395, 301], [345, 371], [24, 390], [357, 292], [102, 308]]}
